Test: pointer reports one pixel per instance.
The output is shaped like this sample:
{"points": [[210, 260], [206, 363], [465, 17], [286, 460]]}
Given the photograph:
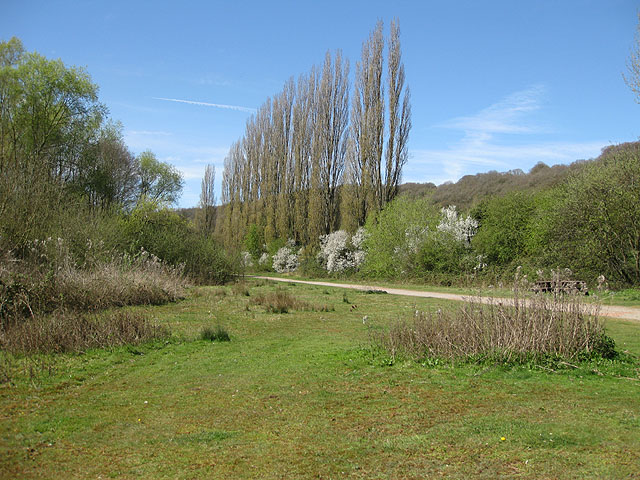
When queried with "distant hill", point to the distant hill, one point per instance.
{"points": [[470, 189]]}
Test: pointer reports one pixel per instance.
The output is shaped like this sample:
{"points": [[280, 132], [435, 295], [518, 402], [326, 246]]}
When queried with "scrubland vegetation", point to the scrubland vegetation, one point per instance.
{"points": [[120, 356], [585, 225], [526, 328], [84, 224]]}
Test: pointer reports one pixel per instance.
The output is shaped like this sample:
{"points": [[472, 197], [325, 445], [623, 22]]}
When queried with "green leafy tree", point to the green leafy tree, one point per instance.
{"points": [[504, 227], [597, 226], [109, 171], [254, 241], [154, 228], [49, 115], [395, 234], [159, 181]]}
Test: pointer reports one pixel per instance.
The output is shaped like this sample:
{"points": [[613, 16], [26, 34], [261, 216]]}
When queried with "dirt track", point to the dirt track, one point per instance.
{"points": [[627, 313]]}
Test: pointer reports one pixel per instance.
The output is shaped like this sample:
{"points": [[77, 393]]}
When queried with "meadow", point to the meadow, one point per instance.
{"points": [[305, 394]]}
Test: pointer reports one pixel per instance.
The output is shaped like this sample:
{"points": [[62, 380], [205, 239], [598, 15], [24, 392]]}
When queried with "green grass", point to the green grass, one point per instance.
{"points": [[628, 297], [300, 395]]}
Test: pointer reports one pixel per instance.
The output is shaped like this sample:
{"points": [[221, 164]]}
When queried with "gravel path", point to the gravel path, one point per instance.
{"points": [[626, 313]]}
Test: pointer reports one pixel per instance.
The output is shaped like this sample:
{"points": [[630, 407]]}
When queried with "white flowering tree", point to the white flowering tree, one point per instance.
{"points": [[340, 251], [247, 260], [447, 249], [462, 229], [286, 258], [411, 236], [264, 260]]}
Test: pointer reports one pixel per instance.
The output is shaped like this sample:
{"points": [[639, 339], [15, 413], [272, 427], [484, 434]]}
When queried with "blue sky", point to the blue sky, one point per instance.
{"points": [[495, 85]]}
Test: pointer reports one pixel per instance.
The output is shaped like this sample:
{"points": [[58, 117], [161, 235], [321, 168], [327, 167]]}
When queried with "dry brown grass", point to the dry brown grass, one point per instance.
{"points": [[240, 289], [73, 332], [28, 290], [281, 301], [528, 326]]}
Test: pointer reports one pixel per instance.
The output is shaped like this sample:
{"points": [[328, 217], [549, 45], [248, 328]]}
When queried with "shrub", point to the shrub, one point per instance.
{"points": [[595, 229], [411, 238], [217, 334], [264, 260], [341, 252], [524, 328], [72, 332], [240, 289], [286, 260], [505, 227], [29, 288], [254, 240], [461, 229], [394, 235], [246, 259], [171, 238], [281, 301]]}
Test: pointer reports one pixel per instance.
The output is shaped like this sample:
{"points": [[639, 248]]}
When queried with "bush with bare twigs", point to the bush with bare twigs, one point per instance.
{"points": [[517, 329], [44, 283], [73, 332], [281, 301]]}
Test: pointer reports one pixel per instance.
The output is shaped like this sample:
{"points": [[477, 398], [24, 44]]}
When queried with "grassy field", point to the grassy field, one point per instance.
{"points": [[302, 395]]}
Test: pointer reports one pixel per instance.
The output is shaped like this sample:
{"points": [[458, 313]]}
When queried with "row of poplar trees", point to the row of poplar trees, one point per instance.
{"points": [[312, 160]]}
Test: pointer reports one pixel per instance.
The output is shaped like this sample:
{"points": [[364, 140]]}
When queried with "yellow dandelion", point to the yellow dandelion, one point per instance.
{"points": [[502, 439]]}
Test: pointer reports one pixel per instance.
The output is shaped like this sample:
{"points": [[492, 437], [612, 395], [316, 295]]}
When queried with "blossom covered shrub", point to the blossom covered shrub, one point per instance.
{"points": [[264, 260], [412, 237], [286, 258], [447, 249], [340, 251], [246, 259], [394, 235], [462, 229]]}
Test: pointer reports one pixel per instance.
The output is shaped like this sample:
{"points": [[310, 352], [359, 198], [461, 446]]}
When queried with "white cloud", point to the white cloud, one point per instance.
{"points": [[206, 104], [191, 172], [214, 79], [492, 139], [504, 116], [439, 166]]}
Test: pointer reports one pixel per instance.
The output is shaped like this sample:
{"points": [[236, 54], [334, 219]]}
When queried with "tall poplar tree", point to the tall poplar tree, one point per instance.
{"points": [[206, 216]]}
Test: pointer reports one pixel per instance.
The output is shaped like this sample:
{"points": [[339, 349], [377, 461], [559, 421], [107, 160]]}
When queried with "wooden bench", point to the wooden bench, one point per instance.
{"points": [[560, 286]]}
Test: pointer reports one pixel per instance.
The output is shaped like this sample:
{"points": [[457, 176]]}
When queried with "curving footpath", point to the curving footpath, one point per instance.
{"points": [[614, 311]]}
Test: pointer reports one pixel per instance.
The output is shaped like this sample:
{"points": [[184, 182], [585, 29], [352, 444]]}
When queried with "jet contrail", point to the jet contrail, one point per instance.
{"points": [[217, 105]]}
